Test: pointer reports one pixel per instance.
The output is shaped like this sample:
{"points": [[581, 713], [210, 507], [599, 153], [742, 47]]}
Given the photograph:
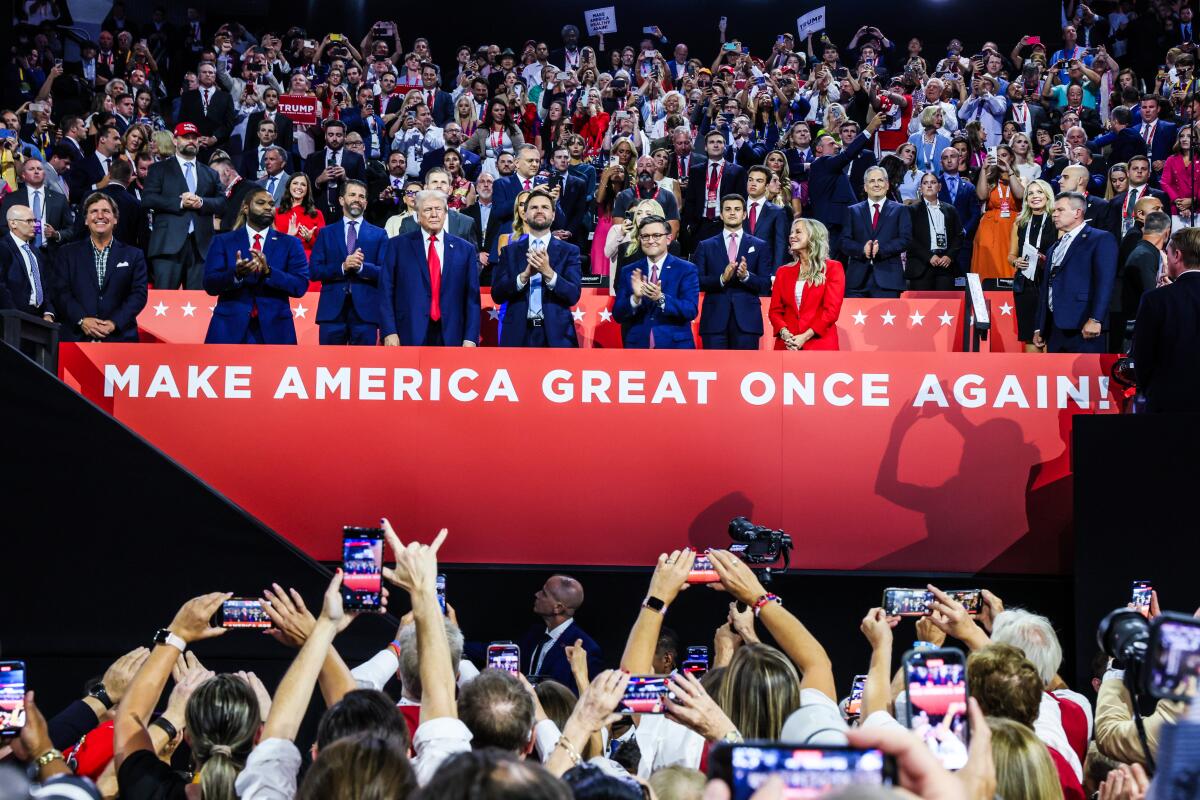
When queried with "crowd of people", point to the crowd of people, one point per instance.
{"points": [[258, 165], [553, 729]]}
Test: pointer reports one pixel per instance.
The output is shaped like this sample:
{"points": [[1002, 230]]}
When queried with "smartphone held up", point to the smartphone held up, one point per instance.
{"points": [[362, 569]]}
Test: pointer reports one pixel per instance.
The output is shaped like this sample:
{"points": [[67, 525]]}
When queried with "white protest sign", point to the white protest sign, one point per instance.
{"points": [[601, 20], [812, 22]]}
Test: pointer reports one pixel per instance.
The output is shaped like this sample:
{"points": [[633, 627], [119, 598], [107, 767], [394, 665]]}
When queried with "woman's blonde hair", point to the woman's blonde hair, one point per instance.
{"points": [[812, 260], [164, 144], [649, 208], [760, 690], [1026, 211], [223, 718], [518, 219], [1023, 765]]}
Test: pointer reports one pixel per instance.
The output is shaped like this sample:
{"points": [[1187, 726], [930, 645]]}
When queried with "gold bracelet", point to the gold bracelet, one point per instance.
{"points": [[572, 753], [48, 756]]}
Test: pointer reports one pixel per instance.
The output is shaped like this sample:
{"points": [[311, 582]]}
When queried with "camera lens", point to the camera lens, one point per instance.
{"points": [[1123, 635]]}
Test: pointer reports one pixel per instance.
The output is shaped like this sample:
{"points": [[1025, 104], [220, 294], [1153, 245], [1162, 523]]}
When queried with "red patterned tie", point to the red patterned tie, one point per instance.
{"points": [[435, 280]]}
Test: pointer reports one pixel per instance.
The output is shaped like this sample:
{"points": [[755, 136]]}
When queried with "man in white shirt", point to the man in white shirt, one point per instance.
{"points": [[25, 281], [419, 139]]}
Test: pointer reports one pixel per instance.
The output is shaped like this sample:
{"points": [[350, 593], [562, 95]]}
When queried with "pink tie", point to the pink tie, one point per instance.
{"points": [[527, 184], [733, 248], [654, 274]]}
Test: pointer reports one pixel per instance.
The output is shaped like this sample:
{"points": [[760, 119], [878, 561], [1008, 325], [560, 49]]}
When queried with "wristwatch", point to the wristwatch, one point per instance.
{"points": [[654, 604], [100, 693], [164, 636]]}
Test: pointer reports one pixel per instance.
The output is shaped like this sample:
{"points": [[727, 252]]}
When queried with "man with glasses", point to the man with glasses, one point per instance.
{"points": [[24, 281], [657, 296]]}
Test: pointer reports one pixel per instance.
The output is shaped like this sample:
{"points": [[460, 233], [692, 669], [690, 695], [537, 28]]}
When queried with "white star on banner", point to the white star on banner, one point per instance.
{"points": [[578, 314], [299, 312], [1006, 310], [605, 315], [860, 318], [189, 310], [946, 318], [888, 318], [916, 318], [160, 310], [493, 313]]}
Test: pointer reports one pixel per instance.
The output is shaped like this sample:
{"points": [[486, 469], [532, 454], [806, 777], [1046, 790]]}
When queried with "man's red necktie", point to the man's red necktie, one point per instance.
{"points": [[527, 185], [753, 216], [714, 188], [257, 247], [435, 280], [875, 215], [430, 103]]}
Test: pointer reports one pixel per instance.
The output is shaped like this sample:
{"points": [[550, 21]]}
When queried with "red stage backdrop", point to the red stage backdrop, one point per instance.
{"points": [[918, 322], [882, 461]]}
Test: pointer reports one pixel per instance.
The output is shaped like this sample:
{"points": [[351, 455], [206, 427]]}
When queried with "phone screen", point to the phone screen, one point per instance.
{"points": [[12, 697], [504, 655], [243, 612], [1141, 595], [362, 565], [854, 706], [644, 695], [696, 662], [807, 771], [937, 700], [917, 602], [441, 592], [1174, 658], [702, 571]]}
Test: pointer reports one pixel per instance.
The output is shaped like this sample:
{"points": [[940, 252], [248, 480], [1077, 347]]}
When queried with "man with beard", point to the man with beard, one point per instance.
{"points": [[184, 195], [346, 259], [539, 278], [253, 270]]}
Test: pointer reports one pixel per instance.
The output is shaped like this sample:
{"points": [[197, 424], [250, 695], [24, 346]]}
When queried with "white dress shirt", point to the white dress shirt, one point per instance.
{"points": [[21, 245], [1060, 252], [636, 300], [547, 283]]}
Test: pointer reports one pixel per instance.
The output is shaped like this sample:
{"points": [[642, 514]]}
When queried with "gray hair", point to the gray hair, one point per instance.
{"points": [[410, 657], [282, 153], [430, 194], [875, 168], [1077, 200], [1156, 222], [1034, 636]]}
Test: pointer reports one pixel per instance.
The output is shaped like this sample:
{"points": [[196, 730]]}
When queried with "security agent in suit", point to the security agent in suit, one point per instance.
{"points": [[346, 259], [959, 192], [210, 109], [1166, 338], [457, 223], [1122, 208], [874, 234], [284, 128], [657, 296], [184, 195], [1138, 274], [252, 271], [731, 317], [1081, 272], [49, 208], [100, 306], [539, 278], [129, 210], [275, 181], [24, 271], [253, 160], [765, 220], [707, 183], [544, 648], [328, 167]]}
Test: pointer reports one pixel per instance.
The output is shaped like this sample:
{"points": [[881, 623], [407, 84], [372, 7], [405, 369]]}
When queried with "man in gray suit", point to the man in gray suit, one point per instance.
{"points": [[184, 195], [457, 223], [275, 181]]}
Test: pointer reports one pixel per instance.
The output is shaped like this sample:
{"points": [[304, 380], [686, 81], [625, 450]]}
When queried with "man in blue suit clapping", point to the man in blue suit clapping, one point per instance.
{"points": [[253, 270], [346, 259], [1073, 306], [874, 234], [658, 296], [735, 271]]}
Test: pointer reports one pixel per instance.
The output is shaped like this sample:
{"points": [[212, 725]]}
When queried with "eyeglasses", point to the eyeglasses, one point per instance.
{"points": [[14, 219], [652, 237]]}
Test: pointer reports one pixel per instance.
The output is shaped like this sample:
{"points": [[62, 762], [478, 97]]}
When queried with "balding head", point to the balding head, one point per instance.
{"points": [[558, 600], [20, 223], [1073, 179]]}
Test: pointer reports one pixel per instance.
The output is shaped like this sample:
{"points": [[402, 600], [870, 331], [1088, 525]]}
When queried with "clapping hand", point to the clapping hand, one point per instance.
{"points": [[638, 284], [727, 275], [243, 266], [354, 261], [652, 291], [743, 272]]}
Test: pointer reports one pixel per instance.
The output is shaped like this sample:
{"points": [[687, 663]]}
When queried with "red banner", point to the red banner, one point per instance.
{"points": [[882, 461], [928, 322], [299, 108]]}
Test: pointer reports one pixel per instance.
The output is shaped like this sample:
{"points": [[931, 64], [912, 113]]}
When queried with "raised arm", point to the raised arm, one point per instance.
{"points": [[668, 580], [877, 627]]}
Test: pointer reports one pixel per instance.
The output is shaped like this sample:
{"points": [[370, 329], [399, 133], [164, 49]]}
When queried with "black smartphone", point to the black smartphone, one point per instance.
{"points": [[505, 656], [242, 612], [854, 704], [362, 567], [441, 592], [554, 182], [806, 771], [12, 697], [696, 662], [645, 694], [937, 702], [1141, 595], [1174, 657]]}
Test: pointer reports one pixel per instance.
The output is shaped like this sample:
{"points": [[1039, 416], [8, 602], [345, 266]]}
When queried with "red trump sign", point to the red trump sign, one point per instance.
{"points": [[299, 108]]}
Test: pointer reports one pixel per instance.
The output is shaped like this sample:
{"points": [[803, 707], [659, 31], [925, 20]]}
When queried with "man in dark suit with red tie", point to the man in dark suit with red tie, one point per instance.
{"points": [[429, 285], [874, 234], [707, 184], [734, 268], [765, 220], [441, 104]]}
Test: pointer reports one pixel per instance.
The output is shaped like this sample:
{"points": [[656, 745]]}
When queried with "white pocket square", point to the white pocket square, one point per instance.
{"points": [[122, 264], [751, 250]]}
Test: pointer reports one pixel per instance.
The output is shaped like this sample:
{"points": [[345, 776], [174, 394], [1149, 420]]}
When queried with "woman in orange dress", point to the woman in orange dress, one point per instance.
{"points": [[299, 216], [807, 296], [1000, 188]]}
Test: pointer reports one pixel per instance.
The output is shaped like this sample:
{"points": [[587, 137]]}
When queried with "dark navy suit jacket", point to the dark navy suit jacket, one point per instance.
{"points": [[740, 298], [504, 197], [671, 324], [120, 299], [238, 297], [405, 294], [829, 190], [1082, 283], [556, 303], [555, 664], [771, 226], [894, 234], [965, 203], [16, 279], [360, 286]]}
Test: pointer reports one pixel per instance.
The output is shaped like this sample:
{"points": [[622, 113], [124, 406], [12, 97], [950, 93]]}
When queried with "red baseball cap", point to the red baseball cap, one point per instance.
{"points": [[185, 128]]}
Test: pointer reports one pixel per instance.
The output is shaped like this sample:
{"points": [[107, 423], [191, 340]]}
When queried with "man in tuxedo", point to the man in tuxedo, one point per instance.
{"points": [[253, 271], [874, 234], [707, 183], [23, 270], [276, 178], [1122, 213], [829, 190], [1074, 299], [544, 648], [539, 277], [210, 109], [91, 170], [127, 225], [441, 104], [657, 296], [328, 168], [55, 220], [1166, 345], [252, 164], [101, 281], [429, 285], [764, 220], [284, 129], [1157, 134], [185, 196], [734, 270], [346, 258], [457, 223]]}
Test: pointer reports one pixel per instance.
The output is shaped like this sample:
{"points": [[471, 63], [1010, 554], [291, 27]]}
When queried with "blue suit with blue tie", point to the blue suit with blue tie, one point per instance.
{"points": [[406, 296], [349, 309], [668, 324], [731, 318], [254, 309], [537, 314], [969, 209]]}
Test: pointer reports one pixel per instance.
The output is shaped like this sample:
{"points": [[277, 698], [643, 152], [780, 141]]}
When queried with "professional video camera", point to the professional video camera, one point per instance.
{"points": [[759, 545]]}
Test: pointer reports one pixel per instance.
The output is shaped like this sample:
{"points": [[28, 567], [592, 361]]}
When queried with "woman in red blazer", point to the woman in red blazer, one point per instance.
{"points": [[807, 296]]}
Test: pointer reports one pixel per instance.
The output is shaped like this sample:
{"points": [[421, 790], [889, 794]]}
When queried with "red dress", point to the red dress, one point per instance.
{"points": [[315, 220], [819, 306]]}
